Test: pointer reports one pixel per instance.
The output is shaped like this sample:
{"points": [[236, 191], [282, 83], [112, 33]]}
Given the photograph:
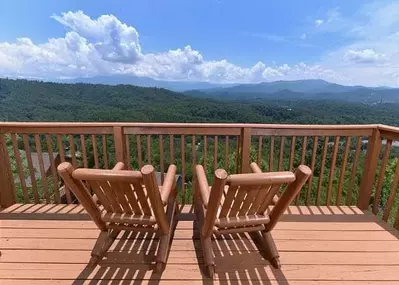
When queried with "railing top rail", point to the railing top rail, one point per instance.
{"points": [[388, 128], [187, 125]]}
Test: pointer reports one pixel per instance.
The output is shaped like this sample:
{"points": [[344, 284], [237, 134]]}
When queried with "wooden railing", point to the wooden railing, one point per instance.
{"points": [[351, 164]]}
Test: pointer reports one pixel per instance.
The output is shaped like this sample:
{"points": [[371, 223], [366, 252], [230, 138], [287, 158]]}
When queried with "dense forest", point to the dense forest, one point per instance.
{"points": [[22, 100]]}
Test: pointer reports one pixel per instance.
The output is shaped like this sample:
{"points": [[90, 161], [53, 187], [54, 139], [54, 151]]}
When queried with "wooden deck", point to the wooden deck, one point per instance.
{"points": [[51, 244]]}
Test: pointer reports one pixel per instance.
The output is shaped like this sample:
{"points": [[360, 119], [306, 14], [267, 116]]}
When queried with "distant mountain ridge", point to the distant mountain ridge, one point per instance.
{"points": [[301, 90], [178, 86]]}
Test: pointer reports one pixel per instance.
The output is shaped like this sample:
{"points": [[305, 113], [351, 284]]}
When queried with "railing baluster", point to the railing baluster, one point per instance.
{"points": [[95, 150], [281, 154], [392, 194], [343, 170], [193, 153], [128, 153], [105, 152], [304, 146], [245, 149], [226, 154], [20, 168], [259, 158], [321, 174], [31, 168], [303, 154], [205, 150], [61, 151], [381, 176], [215, 153], [149, 149], [54, 173], [171, 150], [84, 151], [238, 142], [271, 156], [292, 153], [161, 158], [41, 167], [312, 167], [353, 172], [139, 153], [183, 168], [72, 150], [332, 170]]}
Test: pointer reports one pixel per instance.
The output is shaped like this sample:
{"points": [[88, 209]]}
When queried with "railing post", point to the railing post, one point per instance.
{"points": [[369, 169], [7, 194], [245, 149], [120, 145]]}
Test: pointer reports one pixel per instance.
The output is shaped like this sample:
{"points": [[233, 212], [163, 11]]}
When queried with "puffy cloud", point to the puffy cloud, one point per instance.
{"points": [[318, 22], [364, 56], [106, 46], [114, 40]]}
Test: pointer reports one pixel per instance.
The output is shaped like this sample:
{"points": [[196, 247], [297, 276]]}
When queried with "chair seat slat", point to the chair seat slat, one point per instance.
{"points": [[128, 219], [240, 221]]}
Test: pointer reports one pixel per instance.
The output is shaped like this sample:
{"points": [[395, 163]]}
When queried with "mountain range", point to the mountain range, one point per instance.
{"points": [[310, 89]]}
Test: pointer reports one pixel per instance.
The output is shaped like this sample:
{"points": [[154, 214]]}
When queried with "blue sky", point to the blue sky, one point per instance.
{"points": [[348, 42]]}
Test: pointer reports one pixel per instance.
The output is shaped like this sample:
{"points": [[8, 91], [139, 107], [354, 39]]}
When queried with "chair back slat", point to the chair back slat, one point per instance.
{"points": [[132, 199], [252, 192], [267, 201], [260, 197], [118, 189], [98, 191], [238, 200], [142, 199], [109, 192], [228, 200]]}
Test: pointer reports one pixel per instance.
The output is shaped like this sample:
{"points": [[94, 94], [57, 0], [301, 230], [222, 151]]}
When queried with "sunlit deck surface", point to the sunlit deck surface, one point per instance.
{"points": [[51, 244]]}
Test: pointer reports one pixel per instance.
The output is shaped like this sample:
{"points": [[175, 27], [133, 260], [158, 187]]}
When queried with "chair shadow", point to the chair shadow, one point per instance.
{"points": [[238, 260], [130, 260]]}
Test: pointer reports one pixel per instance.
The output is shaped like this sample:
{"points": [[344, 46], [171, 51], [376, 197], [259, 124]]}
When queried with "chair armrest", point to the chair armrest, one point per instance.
{"points": [[119, 166], [169, 184], [202, 185]]}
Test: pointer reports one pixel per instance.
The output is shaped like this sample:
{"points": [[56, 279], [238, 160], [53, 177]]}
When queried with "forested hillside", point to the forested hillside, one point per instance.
{"points": [[22, 100]]}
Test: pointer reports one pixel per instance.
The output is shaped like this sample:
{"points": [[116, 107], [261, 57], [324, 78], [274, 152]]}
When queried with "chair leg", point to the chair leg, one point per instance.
{"points": [[103, 243], [206, 244], [164, 240], [271, 250]]}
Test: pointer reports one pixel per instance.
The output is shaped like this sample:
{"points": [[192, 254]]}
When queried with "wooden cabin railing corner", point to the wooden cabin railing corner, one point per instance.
{"points": [[369, 169], [7, 193]]}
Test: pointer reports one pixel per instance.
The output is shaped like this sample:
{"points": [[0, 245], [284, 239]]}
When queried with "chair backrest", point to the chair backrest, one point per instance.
{"points": [[242, 199], [127, 197]]}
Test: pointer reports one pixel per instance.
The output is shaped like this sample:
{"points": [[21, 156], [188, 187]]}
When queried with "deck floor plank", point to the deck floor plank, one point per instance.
{"points": [[51, 244]]}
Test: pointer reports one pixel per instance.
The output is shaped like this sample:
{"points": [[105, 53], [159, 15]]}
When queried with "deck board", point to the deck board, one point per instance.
{"points": [[51, 244]]}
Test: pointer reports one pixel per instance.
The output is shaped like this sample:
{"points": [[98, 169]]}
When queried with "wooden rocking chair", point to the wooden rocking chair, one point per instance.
{"points": [[239, 203], [125, 200]]}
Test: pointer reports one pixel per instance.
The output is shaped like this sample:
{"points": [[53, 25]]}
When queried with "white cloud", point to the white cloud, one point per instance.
{"points": [[318, 22], [106, 46], [364, 56], [114, 40]]}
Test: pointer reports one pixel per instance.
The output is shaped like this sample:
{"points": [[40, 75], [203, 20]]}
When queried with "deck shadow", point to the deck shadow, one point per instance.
{"points": [[238, 261], [131, 260]]}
